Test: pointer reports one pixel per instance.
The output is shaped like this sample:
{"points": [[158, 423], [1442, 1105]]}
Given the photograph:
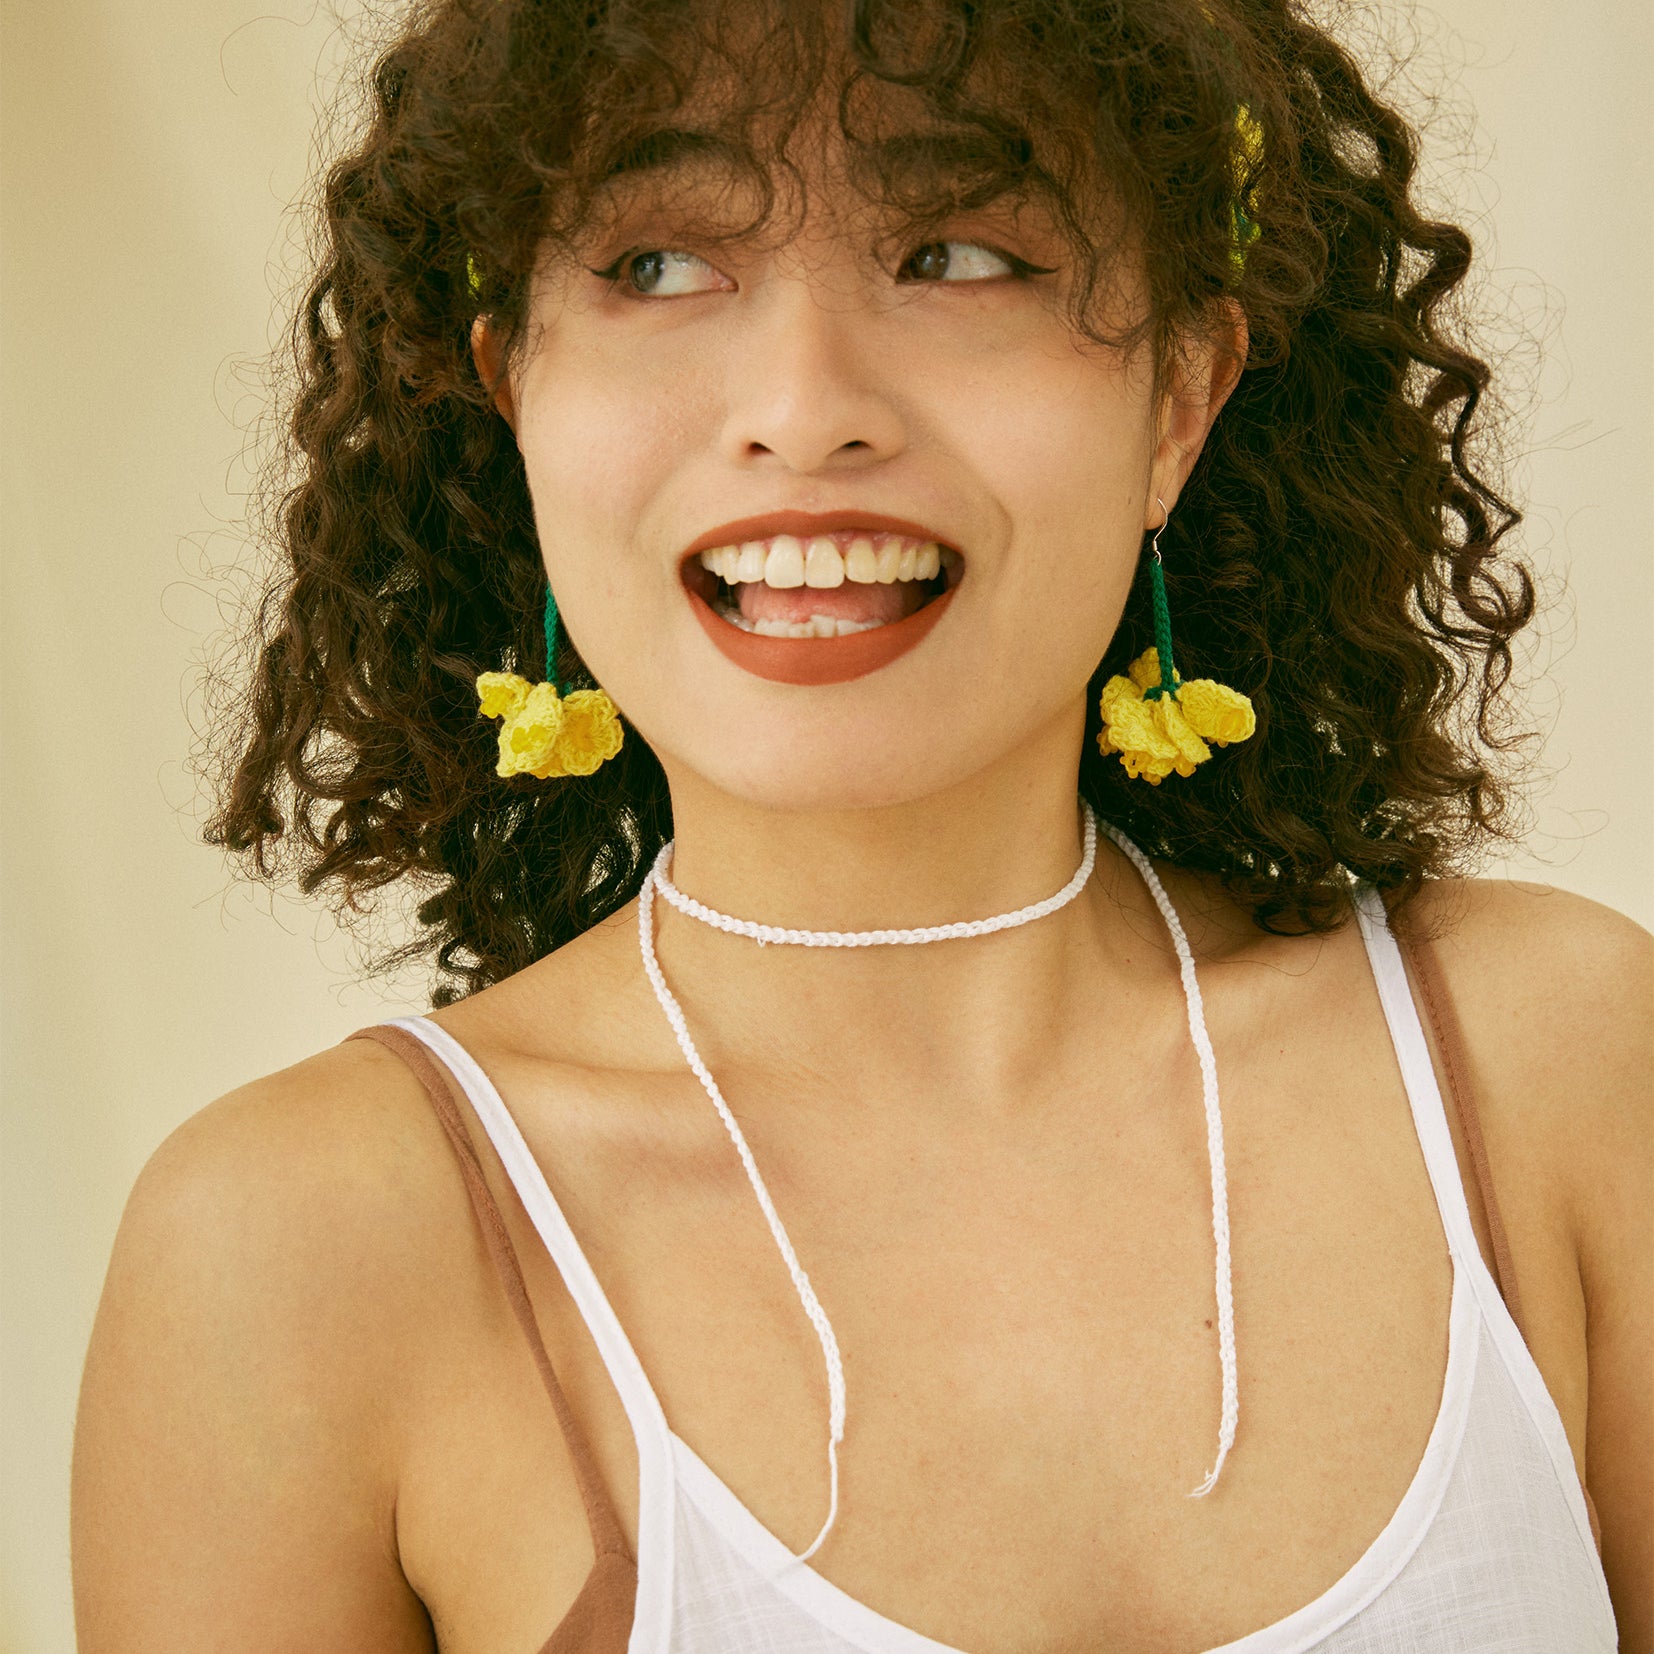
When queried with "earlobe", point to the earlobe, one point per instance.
{"points": [[489, 358]]}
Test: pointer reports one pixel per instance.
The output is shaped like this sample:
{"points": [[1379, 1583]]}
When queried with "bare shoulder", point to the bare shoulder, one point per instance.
{"points": [[265, 1297], [1536, 926], [606, 1018], [296, 1194], [1554, 991]]}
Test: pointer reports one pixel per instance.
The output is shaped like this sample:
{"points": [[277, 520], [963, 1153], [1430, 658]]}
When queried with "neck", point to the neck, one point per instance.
{"points": [[975, 1021], [994, 841]]}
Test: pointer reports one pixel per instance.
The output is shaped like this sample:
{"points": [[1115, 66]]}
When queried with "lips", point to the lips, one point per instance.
{"points": [[816, 660]]}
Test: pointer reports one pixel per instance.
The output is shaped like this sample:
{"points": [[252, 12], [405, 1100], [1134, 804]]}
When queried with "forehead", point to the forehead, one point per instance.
{"points": [[744, 91]]}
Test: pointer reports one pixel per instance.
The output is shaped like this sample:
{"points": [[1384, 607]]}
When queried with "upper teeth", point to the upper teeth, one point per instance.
{"points": [[822, 560]]}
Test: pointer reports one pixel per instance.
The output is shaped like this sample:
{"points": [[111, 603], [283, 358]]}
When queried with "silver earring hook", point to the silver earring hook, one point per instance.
{"points": [[1165, 516]]}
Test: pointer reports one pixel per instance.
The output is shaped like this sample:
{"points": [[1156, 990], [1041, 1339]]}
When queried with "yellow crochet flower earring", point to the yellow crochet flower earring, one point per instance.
{"points": [[1155, 721], [545, 732]]}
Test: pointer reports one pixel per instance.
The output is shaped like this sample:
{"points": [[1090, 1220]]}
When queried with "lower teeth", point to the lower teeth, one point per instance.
{"points": [[815, 626]]}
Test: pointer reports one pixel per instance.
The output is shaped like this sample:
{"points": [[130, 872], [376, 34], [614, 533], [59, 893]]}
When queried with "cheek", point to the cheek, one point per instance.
{"points": [[600, 445], [597, 440], [1066, 446]]}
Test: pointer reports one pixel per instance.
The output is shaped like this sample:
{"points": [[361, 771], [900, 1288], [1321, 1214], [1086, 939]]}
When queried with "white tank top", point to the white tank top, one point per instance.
{"points": [[1489, 1552]]}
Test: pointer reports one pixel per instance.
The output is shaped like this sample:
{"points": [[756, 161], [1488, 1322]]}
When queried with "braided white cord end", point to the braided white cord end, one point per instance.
{"points": [[832, 1504], [801, 1282], [1214, 1153]]}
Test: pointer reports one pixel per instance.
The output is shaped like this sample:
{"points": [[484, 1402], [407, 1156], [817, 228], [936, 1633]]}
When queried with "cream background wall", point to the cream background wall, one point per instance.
{"points": [[150, 149]]}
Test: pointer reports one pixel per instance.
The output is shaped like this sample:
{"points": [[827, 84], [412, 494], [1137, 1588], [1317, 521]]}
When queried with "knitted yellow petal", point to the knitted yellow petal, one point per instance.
{"points": [[591, 733], [1145, 670], [1132, 728], [528, 737], [1118, 697], [501, 693], [1187, 745], [1216, 711], [1149, 764]]}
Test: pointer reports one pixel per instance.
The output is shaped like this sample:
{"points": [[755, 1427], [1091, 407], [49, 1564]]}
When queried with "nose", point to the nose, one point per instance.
{"points": [[804, 388]]}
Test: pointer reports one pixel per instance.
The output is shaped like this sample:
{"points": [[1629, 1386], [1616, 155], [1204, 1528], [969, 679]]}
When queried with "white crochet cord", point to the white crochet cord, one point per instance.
{"points": [[801, 1281], [656, 880], [1214, 1153], [763, 934]]}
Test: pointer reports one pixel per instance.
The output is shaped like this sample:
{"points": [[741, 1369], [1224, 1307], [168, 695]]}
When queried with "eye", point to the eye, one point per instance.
{"points": [[663, 273], [958, 261]]}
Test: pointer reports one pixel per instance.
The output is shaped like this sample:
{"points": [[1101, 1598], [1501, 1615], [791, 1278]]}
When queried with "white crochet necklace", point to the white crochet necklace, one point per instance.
{"points": [[657, 881]]}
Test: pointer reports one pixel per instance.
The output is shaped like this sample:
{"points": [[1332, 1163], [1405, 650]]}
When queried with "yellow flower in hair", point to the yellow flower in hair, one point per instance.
{"points": [[1167, 734], [1247, 154], [1248, 145]]}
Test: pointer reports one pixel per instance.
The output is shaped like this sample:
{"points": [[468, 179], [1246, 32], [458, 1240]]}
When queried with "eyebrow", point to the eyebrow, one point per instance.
{"points": [[1003, 162], [961, 154], [671, 149]]}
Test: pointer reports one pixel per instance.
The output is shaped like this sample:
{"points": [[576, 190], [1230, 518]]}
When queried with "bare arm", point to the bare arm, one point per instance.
{"points": [[234, 1468], [1616, 1229]]}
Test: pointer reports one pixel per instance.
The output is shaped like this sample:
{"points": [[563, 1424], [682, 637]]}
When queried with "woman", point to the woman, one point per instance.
{"points": [[887, 393]]}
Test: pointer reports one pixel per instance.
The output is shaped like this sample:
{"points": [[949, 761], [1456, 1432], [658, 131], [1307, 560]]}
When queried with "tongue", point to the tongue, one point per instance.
{"points": [[851, 601]]}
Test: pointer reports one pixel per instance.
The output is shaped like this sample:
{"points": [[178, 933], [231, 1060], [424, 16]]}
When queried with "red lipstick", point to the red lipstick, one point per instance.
{"points": [[812, 660]]}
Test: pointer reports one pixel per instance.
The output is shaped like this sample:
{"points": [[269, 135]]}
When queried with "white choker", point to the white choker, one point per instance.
{"points": [[763, 934], [656, 880]]}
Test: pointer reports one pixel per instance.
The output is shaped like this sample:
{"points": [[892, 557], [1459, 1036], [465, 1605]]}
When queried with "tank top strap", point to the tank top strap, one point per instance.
{"points": [[1418, 1075], [607, 1536]]}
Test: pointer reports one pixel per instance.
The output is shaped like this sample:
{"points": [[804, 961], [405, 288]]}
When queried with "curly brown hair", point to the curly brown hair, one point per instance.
{"points": [[1336, 552]]}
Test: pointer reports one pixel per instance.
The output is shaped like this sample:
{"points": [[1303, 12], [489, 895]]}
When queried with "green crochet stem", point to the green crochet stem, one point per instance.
{"points": [[1162, 635], [551, 641]]}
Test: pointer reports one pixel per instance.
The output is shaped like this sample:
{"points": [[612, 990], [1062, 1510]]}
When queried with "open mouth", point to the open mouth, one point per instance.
{"points": [[822, 586], [821, 607]]}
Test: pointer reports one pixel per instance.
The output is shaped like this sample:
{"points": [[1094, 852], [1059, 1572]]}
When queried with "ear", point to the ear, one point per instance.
{"points": [[490, 360], [1206, 368]]}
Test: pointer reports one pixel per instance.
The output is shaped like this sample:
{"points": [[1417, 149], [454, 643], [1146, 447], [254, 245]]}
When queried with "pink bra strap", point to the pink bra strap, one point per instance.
{"points": [[1444, 1024], [607, 1535]]}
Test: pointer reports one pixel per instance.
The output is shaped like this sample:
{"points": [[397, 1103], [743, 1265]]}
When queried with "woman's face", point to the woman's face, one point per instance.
{"points": [[705, 393]]}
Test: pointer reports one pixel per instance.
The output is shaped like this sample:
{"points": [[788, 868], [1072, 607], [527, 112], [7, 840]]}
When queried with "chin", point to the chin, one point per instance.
{"points": [[924, 728], [796, 774]]}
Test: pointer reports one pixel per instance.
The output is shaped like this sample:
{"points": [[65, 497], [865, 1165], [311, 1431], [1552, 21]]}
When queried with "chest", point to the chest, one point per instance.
{"points": [[1027, 1328]]}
